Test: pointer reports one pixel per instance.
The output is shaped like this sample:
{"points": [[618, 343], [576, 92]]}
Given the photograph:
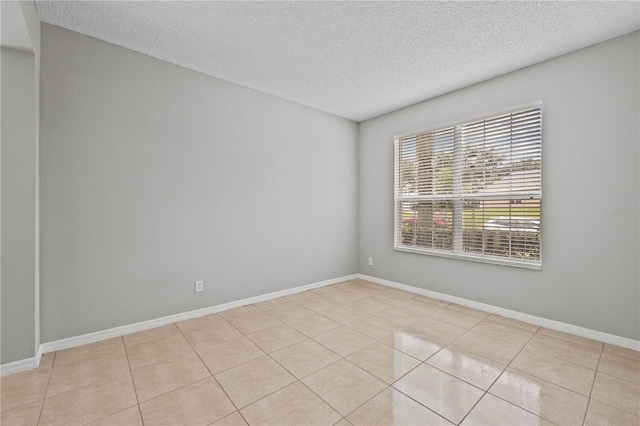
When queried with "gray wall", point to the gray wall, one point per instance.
{"points": [[590, 273], [154, 176], [18, 223]]}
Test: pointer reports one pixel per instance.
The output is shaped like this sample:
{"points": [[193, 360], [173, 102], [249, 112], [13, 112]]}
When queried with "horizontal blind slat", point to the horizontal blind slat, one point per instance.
{"points": [[496, 163]]}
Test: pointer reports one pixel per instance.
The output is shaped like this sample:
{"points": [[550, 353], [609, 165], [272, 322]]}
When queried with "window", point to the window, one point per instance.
{"points": [[473, 190]]}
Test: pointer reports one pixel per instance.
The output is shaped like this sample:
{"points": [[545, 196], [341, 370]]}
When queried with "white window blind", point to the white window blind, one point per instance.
{"points": [[472, 190]]}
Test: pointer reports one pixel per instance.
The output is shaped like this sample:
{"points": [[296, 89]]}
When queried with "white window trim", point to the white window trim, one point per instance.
{"points": [[457, 254], [476, 117]]}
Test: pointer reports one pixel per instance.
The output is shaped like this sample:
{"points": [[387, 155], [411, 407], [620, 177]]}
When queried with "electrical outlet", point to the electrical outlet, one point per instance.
{"points": [[199, 286], [371, 261]]}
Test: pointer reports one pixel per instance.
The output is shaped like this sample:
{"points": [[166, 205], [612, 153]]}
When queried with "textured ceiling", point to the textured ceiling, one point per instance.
{"points": [[13, 29], [354, 59]]}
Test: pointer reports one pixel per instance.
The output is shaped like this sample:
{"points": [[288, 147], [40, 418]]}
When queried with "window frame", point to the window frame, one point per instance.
{"points": [[451, 254]]}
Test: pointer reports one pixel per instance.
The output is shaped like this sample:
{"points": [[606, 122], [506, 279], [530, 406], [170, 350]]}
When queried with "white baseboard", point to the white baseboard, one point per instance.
{"points": [[31, 363], [18, 366], [21, 365], [97, 336], [532, 319]]}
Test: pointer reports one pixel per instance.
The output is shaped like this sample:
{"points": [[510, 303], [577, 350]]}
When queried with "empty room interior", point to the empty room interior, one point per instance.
{"points": [[330, 213]]}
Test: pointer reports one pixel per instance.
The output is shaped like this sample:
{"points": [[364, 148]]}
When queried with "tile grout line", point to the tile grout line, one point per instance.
{"points": [[398, 379], [593, 383], [596, 371], [279, 349], [212, 375], [407, 373], [282, 366], [498, 378], [44, 397], [133, 383], [297, 379], [387, 385], [614, 377], [365, 402], [366, 296], [404, 327], [264, 353], [421, 404], [303, 384], [618, 378], [448, 345], [246, 336], [541, 353], [547, 381], [341, 358], [620, 355], [156, 362], [558, 359], [134, 390], [181, 355], [242, 335], [571, 341], [562, 360], [277, 390]]}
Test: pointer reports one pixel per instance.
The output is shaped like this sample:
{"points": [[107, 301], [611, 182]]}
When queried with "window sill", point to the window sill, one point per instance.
{"points": [[482, 259]]}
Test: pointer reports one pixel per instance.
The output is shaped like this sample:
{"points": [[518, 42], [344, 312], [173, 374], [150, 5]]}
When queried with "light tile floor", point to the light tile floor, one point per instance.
{"points": [[351, 353]]}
